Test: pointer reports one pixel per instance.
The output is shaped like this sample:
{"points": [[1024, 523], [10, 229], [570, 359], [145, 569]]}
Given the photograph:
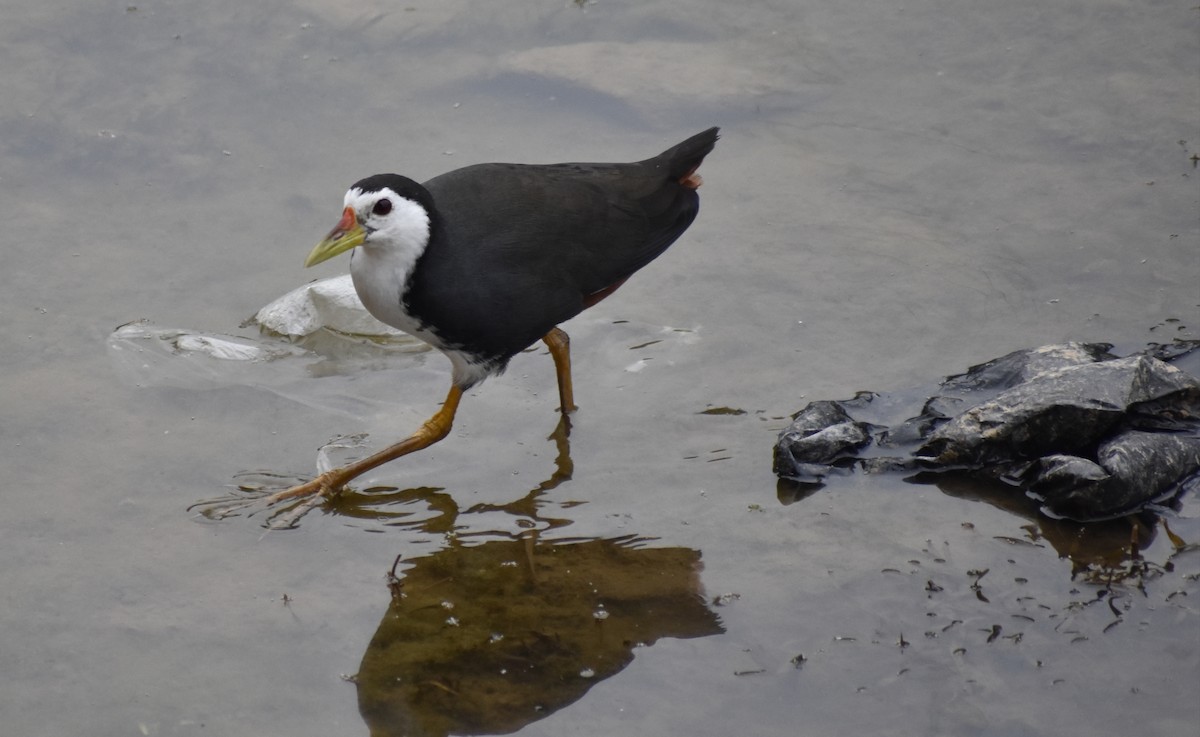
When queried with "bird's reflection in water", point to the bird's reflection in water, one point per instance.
{"points": [[484, 639], [488, 635], [392, 507], [426, 508]]}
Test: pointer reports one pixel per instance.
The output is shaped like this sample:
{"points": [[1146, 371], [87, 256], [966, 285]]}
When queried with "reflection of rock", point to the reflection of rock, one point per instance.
{"points": [[1092, 435], [1103, 552], [486, 639]]}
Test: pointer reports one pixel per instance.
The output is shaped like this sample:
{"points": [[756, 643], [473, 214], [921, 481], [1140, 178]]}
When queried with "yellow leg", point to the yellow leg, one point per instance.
{"points": [[559, 344], [434, 429]]}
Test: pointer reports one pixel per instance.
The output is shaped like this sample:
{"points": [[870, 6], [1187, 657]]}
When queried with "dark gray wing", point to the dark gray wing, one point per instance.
{"points": [[517, 249]]}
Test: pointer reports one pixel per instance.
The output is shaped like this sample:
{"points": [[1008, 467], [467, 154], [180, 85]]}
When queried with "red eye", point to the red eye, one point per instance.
{"points": [[383, 207]]}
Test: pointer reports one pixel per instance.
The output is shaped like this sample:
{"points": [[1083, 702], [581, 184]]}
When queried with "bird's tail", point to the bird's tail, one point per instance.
{"points": [[682, 160]]}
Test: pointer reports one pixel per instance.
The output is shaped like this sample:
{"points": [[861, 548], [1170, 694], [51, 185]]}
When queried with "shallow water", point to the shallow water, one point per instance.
{"points": [[899, 192]]}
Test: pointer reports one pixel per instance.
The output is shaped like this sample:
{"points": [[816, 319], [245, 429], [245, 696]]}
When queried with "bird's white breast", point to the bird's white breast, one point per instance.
{"points": [[380, 281]]}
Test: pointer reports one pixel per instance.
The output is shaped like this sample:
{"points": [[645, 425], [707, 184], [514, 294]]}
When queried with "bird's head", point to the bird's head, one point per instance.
{"points": [[386, 211]]}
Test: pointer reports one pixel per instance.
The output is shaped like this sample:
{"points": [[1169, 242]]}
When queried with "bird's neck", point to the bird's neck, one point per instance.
{"points": [[381, 274]]}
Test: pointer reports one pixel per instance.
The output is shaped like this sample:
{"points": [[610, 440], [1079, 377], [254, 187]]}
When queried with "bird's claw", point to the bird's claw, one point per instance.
{"points": [[285, 507], [319, 486]]}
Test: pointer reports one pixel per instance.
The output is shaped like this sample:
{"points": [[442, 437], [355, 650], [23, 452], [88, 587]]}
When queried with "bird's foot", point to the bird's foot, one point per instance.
{"points": [[320, 486], [310, 494], [284, 508]]}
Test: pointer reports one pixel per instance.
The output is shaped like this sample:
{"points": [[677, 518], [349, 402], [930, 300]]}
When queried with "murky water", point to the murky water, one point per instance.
{"points": [[900, 192]]}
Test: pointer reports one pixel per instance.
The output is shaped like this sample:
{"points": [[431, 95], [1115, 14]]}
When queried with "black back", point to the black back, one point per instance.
{"points": [[516, 249]]}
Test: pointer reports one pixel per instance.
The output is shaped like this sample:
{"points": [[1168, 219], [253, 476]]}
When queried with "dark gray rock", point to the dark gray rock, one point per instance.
{"points": [[821, 435], [1058, 411], [1132, 468], [1090, 434], [1021, 366]]}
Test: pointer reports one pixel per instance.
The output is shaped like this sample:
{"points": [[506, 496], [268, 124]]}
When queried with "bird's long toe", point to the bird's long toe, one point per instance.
{"points": [[322, 486]]}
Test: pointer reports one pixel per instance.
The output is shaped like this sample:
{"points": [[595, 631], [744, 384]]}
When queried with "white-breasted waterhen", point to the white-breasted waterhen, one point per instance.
{"points": [[484, 261]]}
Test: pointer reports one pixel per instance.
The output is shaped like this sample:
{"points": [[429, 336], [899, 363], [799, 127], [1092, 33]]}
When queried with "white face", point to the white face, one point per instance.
{"points": [[390, 219], [397, 232]]}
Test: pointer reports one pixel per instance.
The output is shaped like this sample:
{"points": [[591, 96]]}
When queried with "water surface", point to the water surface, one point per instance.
{"points": [[900, 192]]}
